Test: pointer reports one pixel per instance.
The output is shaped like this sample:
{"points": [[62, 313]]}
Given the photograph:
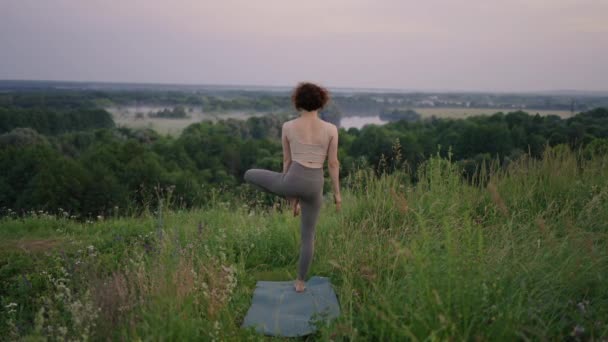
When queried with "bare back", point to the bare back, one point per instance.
{"points": [[309, 139]]}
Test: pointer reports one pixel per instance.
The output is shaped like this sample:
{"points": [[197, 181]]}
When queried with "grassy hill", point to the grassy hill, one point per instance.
{"points": [[523, 255]]}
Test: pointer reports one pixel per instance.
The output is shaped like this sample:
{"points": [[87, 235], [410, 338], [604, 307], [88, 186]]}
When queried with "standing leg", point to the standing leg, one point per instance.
{"points": [[310, 214]]}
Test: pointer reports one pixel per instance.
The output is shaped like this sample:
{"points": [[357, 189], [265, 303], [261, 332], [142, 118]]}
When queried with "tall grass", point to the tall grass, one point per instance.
{"points": [[522, 255]]}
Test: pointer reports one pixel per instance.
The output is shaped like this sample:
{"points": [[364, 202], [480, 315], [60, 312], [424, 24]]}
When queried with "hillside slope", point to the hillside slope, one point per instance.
{"points": [[522, 256]]}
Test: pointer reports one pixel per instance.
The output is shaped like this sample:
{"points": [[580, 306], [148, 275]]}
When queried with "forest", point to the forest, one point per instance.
{"points": [[63, 152]]}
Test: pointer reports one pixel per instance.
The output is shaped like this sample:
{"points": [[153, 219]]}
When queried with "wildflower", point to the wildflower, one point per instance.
{"points": [[578, 331], [582, 306], [11, 305], [148, 247]]}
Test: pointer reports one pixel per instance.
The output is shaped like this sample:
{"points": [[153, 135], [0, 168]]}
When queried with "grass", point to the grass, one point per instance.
{"points": [[521, 256]]}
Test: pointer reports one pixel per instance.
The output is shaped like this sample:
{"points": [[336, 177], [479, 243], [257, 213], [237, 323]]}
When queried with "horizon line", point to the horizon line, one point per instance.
{"points": [[338, 89]]}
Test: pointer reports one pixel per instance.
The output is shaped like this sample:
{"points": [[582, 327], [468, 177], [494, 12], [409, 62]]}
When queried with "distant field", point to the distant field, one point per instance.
{"points": [[162, 126], [126, 116], [465, 112]]}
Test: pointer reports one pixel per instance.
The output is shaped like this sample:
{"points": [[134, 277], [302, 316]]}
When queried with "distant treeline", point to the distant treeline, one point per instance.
{"points": [[474, 140], [358, 103], [178, 112], [54, 121], [111, 170]]}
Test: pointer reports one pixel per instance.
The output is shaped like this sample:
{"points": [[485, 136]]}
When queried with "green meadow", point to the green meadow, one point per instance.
{"points": [[519, 253]]}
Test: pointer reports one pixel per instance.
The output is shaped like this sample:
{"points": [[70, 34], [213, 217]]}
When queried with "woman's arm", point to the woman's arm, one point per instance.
{"points": [[286, 149], [334, 166]]}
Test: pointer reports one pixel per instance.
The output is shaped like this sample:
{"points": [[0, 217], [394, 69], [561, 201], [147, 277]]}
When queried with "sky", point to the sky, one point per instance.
{"points": [[467, 45]]}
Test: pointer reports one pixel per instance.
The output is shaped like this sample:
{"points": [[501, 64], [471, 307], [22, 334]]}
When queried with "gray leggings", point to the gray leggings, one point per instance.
{"points": [[304, 183]]}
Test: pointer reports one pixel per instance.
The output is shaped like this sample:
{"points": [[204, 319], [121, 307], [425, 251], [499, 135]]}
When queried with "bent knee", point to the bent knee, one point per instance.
{"points": [[247, 175]]}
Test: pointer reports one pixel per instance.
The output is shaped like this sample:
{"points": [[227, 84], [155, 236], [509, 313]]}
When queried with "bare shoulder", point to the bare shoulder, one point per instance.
{"points": [[286, 124], [331, 128], [289, 122]]}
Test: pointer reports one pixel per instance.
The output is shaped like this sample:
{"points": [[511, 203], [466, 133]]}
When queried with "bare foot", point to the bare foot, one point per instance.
{"points": [[295, 203], [299, 286]]}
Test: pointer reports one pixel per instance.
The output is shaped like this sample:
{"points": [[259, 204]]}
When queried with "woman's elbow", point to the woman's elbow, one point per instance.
{"points": [[333, 164]]}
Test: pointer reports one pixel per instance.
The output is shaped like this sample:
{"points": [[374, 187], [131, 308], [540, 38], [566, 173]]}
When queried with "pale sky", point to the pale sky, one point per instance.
{"points": [[487, 45]]}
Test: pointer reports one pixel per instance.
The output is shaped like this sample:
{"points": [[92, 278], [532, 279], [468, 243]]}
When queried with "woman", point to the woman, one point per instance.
{"points": [[307, 142]]}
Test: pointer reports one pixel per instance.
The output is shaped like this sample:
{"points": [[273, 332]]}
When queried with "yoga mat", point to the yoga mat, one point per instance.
{"points": [[278, 310]]}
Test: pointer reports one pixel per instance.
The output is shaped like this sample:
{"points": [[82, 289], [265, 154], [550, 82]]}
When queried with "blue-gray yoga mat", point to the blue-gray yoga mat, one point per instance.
{"points": [[278, 310]]}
